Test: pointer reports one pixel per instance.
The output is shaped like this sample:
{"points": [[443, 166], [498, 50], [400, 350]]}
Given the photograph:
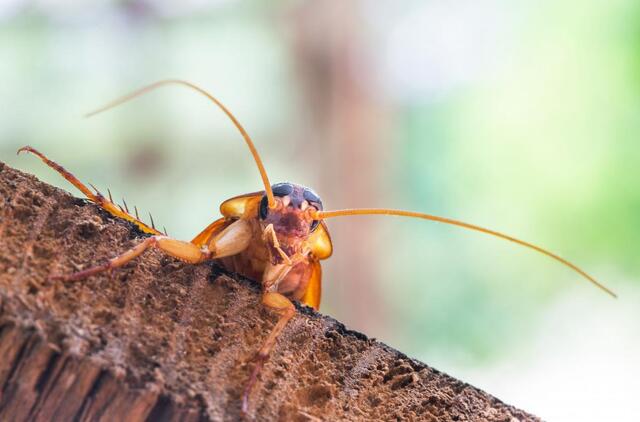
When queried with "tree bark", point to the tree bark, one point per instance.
{"points": [[163, 340]]}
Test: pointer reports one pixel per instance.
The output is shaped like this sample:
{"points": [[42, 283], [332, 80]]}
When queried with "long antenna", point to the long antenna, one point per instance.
{"points": [[245, 135], [382, 211]]}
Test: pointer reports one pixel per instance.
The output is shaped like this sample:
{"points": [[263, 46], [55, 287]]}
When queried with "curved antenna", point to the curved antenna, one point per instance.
{"points": [[245, 135], [444, 220]]}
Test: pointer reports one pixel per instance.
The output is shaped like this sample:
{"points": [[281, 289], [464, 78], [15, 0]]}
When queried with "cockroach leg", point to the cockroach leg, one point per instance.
{"points": [[269, 235], [234, 239], [285, 308], [126, 208], [96, 198], [185, 251]]}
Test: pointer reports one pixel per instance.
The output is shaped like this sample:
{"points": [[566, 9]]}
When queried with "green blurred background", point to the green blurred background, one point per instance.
{"points": [[522, 116]]}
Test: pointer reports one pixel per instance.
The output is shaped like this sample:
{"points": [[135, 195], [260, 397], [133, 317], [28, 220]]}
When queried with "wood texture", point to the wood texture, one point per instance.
{"points": [[161, 340]]}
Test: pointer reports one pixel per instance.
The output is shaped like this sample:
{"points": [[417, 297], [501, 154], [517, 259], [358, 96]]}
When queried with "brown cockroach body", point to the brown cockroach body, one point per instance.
{"points": [[276, 236]]}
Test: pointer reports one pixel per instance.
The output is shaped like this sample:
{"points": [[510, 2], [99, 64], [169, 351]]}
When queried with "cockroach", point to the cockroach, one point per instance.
{"points": [[277, 236]]}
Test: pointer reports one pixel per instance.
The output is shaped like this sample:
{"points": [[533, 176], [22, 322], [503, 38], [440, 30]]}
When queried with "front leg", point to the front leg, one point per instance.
{"points": [[285, 308], [269, 236], [232, 240]]}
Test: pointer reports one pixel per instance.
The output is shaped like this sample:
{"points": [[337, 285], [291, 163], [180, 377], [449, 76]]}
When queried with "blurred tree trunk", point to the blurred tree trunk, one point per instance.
{"points": [[345, 127]]}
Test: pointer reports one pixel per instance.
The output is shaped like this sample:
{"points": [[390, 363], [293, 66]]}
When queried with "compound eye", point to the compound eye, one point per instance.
{"points": [[312, 198], [264, 207], [282, 189], [312, 209]]}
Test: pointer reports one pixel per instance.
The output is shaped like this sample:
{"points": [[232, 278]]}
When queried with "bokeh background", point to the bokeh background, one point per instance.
{"points": [[522, 116]]}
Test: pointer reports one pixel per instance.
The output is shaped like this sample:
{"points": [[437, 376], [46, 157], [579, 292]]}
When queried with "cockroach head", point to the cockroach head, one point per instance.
{"points": [[293, 213]]}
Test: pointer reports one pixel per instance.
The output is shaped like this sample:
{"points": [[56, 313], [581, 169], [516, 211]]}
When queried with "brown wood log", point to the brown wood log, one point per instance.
{"points": [[162, 340]]}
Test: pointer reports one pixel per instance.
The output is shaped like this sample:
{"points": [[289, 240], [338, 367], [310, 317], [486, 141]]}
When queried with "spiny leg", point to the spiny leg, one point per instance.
{"points": [[97, 197], [286, 309]]}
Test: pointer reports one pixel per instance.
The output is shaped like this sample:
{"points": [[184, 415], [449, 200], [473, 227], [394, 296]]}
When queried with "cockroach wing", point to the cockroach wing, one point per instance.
{"points": [[237, 206], [212, 229], [320, 242], [314, 287]]}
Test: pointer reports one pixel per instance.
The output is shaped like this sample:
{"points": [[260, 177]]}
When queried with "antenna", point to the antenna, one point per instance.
{"points": [[383, 211], [236, 123]]}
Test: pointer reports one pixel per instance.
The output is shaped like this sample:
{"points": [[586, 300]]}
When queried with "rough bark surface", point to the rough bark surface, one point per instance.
{"points": [[162, 340]]}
